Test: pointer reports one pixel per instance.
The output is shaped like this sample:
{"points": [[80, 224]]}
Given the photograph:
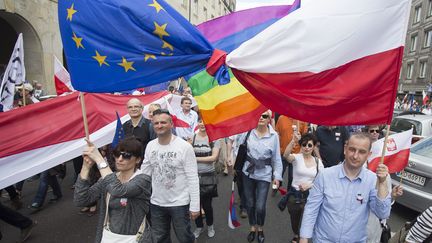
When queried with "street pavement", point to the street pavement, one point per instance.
{"points": [[61, 222]]}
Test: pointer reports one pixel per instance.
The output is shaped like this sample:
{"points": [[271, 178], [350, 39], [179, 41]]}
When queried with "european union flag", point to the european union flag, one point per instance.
{"points": [[117, 45], [119, 132]]}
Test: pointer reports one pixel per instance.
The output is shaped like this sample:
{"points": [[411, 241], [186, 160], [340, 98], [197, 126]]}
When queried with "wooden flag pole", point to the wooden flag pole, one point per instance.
{"points": [[385, 144], [23, 95], [84, 114]]}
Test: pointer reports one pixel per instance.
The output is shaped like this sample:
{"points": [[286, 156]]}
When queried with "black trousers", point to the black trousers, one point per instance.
{"points": [[206, 204], [14, 218]]}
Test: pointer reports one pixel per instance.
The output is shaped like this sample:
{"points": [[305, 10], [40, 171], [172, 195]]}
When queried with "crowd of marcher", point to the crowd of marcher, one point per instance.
{"points": [[161, 176]]}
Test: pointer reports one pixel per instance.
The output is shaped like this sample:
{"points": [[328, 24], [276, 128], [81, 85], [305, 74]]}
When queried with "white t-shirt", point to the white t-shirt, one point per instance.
{"points": [[303, 174], [173, 169]]}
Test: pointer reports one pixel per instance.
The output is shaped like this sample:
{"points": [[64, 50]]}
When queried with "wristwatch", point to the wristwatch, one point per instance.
{"points": [[102, 165]]}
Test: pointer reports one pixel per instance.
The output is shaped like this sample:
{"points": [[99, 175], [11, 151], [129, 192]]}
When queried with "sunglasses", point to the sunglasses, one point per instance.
{"points": [[125, 155], [374, 130], [309, 145], [265, 116]]}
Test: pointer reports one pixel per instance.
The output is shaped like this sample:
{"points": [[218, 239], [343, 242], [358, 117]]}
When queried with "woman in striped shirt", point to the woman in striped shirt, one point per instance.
{"points": [[421, 231]]}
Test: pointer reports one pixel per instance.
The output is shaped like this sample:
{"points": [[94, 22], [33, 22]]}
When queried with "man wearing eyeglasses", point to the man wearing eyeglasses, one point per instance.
{"points": [[172, 165], [137, 126], [339, 202]]}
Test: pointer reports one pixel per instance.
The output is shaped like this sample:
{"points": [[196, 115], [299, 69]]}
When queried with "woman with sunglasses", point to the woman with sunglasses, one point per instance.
{"points": [[126, 192], [263, 164], [305, 169]]}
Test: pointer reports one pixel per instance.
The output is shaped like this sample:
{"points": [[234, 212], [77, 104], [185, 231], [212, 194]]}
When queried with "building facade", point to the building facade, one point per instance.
{"points": [[416, 72], [38, 21]]}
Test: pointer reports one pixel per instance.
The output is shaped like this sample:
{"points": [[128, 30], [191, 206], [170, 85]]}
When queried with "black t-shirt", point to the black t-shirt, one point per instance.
{"points": [[332, 143], [141, 131]]}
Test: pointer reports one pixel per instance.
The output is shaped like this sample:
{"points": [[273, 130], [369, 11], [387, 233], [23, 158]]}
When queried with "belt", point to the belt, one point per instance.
{"points": [[203, 154], [257, 163]]}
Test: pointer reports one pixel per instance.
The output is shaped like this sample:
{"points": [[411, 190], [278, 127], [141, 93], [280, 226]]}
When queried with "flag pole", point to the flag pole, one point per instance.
{"points": [[84, 114], [385, 144], [23, 95]]}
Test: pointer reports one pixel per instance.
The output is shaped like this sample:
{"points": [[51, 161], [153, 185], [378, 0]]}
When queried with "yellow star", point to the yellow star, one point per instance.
{"points": [[160, 30], [70, 12], [167, 45], [148, 56], [100, 59], [77, 41], [127, 65], [157, 6]]}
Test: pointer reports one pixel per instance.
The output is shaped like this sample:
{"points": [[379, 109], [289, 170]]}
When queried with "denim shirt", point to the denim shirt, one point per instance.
{"points": [[261, 149], [337, 208]]}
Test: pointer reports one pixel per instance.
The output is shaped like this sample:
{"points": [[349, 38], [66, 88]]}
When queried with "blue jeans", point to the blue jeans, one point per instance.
{"points": [[255, 193], [161, 218], [47, 180]]}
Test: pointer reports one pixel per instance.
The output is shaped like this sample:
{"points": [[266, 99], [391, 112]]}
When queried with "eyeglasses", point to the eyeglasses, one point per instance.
{"points": [[374, 130], [309, 145], [125, 155], [265, 116]]}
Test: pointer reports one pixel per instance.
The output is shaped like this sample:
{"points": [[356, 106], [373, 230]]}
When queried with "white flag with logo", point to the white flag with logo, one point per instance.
{"points": [[396, 153], [14, 75]]}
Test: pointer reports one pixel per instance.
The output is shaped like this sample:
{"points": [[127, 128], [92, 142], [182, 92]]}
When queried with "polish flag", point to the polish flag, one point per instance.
{"points": [[396, 153], [40, 136], [62, 79], [425, 98], [168, 103], [333, 62], [232, 215]]}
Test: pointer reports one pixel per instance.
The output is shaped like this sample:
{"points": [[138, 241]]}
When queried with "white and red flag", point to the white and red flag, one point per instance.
{"points": [[425, 98], [37, 137], [397, 152], [333, 62], [62, 79]]}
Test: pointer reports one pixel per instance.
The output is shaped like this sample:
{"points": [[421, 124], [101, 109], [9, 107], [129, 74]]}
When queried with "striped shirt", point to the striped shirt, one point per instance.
{"points": [[422, 229]]}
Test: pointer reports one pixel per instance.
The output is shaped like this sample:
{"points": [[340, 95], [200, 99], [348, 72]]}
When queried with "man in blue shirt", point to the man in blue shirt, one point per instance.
{"points": [[339, 203]]}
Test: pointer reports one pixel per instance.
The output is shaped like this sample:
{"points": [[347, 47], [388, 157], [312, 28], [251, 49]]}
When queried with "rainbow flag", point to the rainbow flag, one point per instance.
{"points": [[230, 109]]}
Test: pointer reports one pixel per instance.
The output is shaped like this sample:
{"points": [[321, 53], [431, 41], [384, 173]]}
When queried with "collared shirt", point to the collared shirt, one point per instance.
{"points": [[337, 208], [141, 131], [192, 119], [261, 149]]}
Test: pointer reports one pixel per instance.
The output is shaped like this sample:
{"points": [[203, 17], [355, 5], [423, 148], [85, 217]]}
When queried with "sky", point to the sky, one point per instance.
{"points": [[245, 4]]}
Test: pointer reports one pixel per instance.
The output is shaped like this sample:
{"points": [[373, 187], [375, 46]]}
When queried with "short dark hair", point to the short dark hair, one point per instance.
{"points": [[361, 135], [308, 137], [131, 145], [161, 111], [185, 98], [171, 88]]}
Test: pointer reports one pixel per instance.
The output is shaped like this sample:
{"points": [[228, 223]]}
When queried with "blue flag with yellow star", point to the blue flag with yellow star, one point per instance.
{"points": [[119, 132], [117, 45]]}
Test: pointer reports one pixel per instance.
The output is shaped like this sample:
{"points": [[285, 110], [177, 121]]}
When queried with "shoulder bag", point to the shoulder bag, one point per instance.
{"points": [[241, 154], [110, 237]]}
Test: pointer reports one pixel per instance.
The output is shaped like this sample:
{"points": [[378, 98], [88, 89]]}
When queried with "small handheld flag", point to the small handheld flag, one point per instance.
{"points": [[119, 132], [232, 217]]}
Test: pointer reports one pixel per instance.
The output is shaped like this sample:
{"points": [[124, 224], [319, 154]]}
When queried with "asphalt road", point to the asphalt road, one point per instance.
{"points": [[61, 222]]}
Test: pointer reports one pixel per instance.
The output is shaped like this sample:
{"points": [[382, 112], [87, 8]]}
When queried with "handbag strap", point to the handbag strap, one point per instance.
{"points": [[106, 220], [317, 165], [247, 136]]}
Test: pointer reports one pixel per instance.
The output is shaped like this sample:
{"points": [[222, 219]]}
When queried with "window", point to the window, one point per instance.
{"points": [[417, 14], [429, 10], [409, 70], [423, 65], [413, 43], [212, 16], [427, 38], [205, 13], [196, 7]]}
